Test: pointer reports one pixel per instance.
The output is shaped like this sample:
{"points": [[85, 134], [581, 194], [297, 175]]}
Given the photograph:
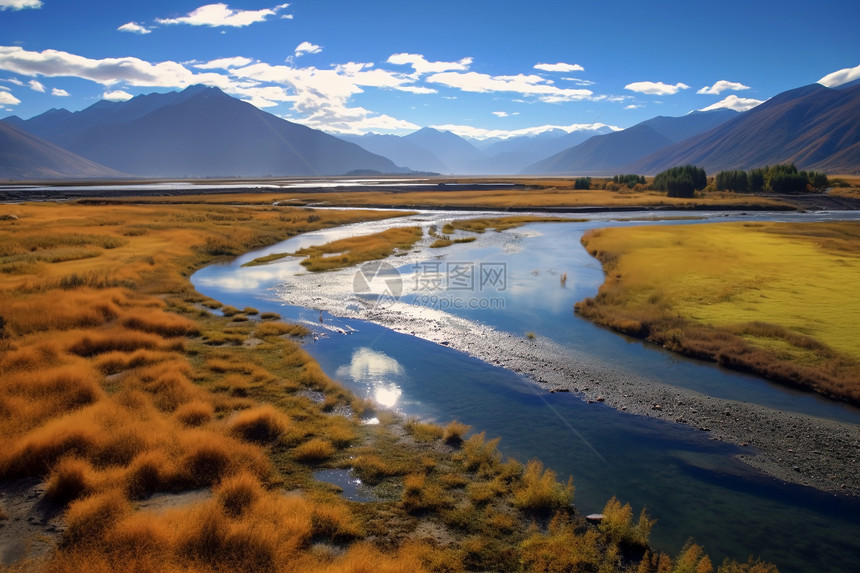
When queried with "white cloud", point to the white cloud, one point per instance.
{"points": [[579, 82], [134, 28], [480, 133], [20, 4], [421, 66], [307, 48], [60, 92], [217, 15], [521, 84], [15, 81], [633, 106], [840, 77], [559, 67], [107, 71], [721, 86], [225, 63], [8, 99], [500, 113], [36, 86], [734, 102], [656, 88], [320, 97], [117, 95]]}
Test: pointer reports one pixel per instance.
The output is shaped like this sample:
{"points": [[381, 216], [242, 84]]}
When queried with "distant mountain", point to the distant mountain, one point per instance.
{"points": [[200, 132], [515, 154], [24, 156], [444, 152], [400, 150], [457, 154], [608, 154], [813, 127]]}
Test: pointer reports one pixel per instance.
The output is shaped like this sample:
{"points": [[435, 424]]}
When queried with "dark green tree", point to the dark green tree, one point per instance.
{"points": [[681, 181], [582, 183]]}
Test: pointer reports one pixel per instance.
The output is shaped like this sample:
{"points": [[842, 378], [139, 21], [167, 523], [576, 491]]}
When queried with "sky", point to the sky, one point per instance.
{"points": [[478, 68]]}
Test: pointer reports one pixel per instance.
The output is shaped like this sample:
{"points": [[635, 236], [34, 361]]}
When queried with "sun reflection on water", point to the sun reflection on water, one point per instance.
{"points": [[378, 372]]}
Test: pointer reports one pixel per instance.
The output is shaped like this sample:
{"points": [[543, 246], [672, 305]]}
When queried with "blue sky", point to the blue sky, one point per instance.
{"points": [[476, 67]]}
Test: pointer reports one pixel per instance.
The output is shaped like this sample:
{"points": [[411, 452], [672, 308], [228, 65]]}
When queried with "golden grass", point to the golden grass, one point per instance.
{"points": [[114, 386], [532, 193], [263, 424], [776, 299], [454, 432], [482, 224], [355, 250]]}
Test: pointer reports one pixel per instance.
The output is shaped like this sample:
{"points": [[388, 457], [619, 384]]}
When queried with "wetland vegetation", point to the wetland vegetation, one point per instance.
{"points": [[156, 429], [774, 299]]}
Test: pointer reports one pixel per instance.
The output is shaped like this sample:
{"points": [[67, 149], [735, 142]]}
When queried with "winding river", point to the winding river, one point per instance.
{"points": [[692, 484]]}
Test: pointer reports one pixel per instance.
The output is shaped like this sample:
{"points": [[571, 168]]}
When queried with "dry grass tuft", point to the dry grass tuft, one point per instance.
{"points": [[147, 474], [262, 425], [210, 457], [279, 329], [539, 490], [424, 432], [159, 322], [238, 493], [88, 519], [314, 450], [195, 413], [70, 479], [454, 432]]}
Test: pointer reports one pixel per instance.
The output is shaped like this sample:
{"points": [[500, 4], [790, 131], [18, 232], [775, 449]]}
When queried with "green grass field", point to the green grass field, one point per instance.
{"points": [[774, 298]]}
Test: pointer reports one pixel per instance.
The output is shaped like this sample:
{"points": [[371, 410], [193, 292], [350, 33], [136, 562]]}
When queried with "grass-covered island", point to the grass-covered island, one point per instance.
{"points": [[144, 427]]}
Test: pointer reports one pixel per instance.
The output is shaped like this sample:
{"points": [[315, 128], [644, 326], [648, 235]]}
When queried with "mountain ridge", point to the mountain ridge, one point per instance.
{"points": [[203, 132]]}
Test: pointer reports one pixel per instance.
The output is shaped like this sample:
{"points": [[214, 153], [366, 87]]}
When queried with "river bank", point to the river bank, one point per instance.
{"points": [[789, 446]]}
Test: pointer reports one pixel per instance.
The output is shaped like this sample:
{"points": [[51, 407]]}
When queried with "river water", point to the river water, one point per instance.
{"points": [[691, 484]]}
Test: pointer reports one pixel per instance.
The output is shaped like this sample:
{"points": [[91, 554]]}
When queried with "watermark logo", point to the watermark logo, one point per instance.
{"points": [[441, 285], [378, 281], [460, 284]]}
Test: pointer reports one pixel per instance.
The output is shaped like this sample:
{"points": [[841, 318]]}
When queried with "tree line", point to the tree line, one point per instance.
{"points": [[684, 181], [772, 178]]}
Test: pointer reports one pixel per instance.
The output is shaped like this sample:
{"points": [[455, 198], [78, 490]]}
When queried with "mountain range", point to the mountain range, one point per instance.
{"points": [[432, 150], [813, 127], [203, 132], [199, 132]]}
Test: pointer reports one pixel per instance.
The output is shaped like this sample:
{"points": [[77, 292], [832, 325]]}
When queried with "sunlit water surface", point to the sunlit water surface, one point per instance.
{"points": [[691, 484]]}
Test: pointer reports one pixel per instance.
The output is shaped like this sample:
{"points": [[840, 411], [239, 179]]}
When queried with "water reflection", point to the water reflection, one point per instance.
{"points": [[377, 372]]}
